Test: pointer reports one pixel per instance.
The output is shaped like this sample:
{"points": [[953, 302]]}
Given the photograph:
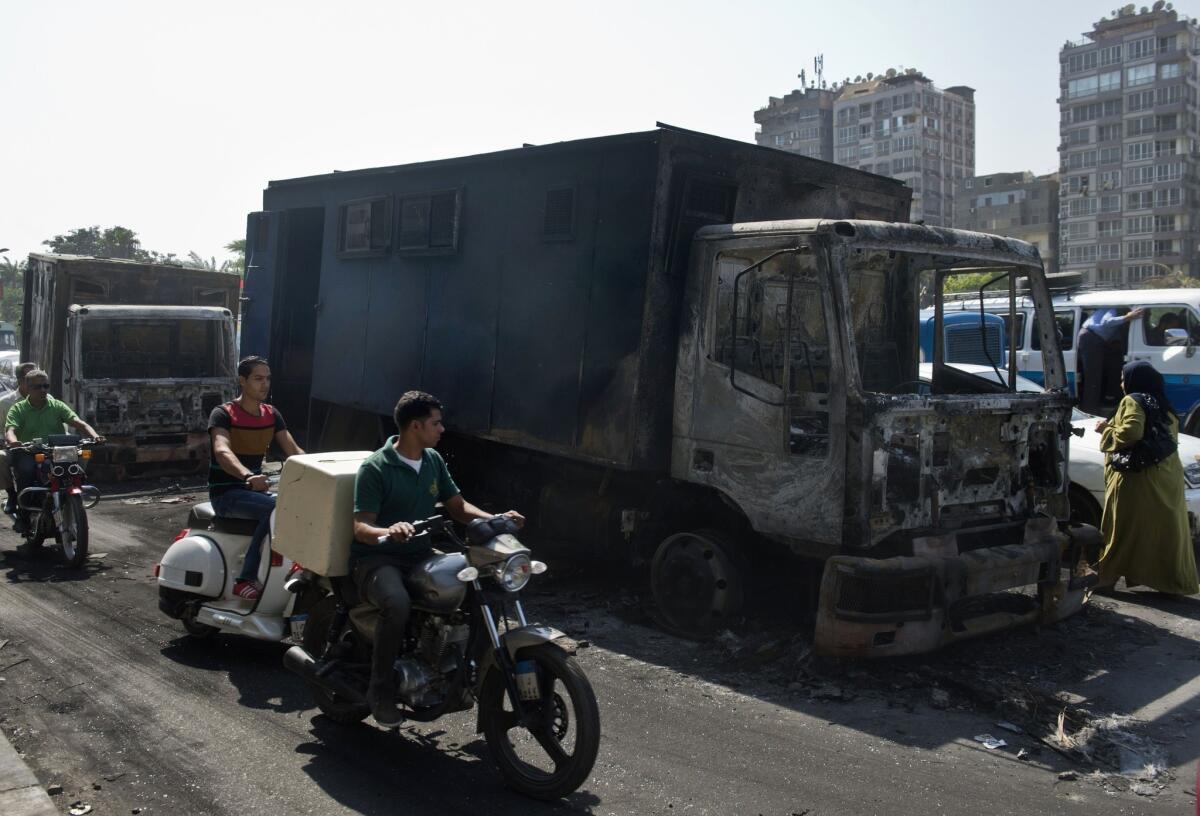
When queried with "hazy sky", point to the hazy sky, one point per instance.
{"points": [[169, 118]]}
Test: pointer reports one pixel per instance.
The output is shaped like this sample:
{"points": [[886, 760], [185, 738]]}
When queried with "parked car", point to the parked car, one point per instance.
{"points": [[1171, 351], [1087, 460]]}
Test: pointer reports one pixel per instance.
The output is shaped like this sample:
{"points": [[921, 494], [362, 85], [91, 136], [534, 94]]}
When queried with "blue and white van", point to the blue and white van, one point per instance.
{"points": [[967, 338], [1173, 353]]}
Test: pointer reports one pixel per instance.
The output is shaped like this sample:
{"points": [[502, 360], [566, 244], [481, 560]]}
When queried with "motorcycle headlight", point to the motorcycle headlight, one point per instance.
{"points": [[514, 575], [67, 453], [1191, 473]]}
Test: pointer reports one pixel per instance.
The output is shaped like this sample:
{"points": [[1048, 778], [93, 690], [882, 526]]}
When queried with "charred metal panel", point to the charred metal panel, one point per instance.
{"points": [[945, 593], [144, 409], [616, 295]]}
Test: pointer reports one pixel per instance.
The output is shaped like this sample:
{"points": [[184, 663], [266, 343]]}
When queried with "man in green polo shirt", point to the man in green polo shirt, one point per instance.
{"points": [[400, 483], [37, 416]]}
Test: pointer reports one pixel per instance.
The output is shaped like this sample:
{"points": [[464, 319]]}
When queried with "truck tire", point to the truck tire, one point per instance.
{"points": [[698, 581], [1191, 424]]}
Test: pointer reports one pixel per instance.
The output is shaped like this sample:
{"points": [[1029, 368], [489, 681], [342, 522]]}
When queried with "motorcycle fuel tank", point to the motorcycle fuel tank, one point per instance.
{"points": [[434, 583]]}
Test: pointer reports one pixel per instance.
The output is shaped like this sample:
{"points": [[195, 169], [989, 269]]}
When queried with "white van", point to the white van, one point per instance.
{"points": [[1173, 354]]}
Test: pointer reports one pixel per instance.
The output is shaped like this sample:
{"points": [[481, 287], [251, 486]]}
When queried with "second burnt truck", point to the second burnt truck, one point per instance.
{"points": [[142, 351], [693, 353]]}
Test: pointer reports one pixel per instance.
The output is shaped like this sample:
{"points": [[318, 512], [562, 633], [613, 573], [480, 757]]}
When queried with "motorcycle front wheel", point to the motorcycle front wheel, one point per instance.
{"points": [[551, 752], [73, 531]]}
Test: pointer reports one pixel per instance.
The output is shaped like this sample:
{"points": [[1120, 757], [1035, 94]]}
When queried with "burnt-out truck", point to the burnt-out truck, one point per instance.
{"points": [[692, 353], [141, 351]]}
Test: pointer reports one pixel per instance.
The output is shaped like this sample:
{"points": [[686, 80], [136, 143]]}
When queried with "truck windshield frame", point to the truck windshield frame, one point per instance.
{"points": [[880, 335], [158, 348]]}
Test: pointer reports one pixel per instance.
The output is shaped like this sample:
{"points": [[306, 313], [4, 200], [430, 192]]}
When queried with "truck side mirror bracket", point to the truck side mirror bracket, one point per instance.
{"points": [[734, 318]]}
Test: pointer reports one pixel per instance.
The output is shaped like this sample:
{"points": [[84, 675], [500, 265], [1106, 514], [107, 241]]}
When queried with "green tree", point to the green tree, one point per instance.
{"points": [[12, 279], [114, 242], [238, 247], [195, 261]]}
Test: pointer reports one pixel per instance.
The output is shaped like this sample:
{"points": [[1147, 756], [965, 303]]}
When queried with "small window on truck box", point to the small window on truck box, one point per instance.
{"points": [[365, 227], [429, 222], [558, 219]]}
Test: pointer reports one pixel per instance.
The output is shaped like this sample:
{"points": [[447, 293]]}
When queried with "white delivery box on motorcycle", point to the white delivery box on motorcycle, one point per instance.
{"points": [[314, 514]]}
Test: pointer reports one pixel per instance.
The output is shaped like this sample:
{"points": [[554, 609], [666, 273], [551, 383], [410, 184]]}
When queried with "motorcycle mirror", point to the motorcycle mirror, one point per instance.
{"points": [[468, 574]]}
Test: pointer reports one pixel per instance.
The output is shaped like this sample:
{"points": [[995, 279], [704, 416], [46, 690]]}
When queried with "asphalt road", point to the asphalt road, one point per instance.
{"points": [[107, 698]]}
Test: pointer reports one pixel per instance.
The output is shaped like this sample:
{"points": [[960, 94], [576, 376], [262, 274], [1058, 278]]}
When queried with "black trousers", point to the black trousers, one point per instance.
{"points": [[1091, 353], [381, 581]]}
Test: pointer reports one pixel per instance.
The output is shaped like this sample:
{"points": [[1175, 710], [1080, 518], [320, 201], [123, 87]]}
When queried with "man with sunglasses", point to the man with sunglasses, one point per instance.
{"points": [[37, 416]]}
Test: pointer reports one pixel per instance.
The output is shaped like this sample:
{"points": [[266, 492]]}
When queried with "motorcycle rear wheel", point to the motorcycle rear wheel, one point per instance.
{"points": [[316, 634], [73, 532], [553, 722]]}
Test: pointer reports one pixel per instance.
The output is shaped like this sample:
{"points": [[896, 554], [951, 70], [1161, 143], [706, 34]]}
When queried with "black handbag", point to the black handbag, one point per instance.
{"points": [[1155, 445]]}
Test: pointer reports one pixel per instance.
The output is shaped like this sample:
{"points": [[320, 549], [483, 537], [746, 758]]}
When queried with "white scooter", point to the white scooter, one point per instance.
{"points": [[197, 572]]}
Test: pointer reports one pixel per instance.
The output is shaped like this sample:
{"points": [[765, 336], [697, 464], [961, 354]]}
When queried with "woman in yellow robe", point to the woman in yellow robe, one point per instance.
{"points": [[1145, 522]]}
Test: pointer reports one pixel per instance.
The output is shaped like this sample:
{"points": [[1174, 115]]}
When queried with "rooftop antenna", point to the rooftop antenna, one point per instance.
{"points": [[819, 69], [801, 77]]}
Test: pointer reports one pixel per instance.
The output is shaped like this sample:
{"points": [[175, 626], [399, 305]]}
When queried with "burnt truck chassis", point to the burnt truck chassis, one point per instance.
{"points": [[966, 548]]}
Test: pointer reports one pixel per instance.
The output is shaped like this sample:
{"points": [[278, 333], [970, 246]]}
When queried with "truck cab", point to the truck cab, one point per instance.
{"points": [[147, 377], [937, 515]]}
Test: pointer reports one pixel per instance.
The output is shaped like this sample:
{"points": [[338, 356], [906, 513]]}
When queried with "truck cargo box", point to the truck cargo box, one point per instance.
{"points": [[314, 514], [536, 291]]}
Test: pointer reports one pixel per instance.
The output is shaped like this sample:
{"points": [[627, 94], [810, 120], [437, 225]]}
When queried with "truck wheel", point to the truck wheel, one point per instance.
{"points": [[316, 633], [1191, 425], [1085, 510], [698, 582]]}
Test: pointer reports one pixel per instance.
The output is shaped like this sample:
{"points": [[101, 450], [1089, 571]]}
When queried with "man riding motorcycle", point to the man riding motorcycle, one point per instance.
{"points": [[36, 417], [398, 484]]}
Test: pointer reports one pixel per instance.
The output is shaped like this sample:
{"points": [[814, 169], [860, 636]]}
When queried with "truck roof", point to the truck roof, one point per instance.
{"points": [[883, 235], [146, 312], [118, 263], [565, 147]]}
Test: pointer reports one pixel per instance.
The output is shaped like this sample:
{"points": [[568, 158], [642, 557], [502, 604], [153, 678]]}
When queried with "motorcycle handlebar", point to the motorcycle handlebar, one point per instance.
{"points": [[433, 524], [43, 445]]}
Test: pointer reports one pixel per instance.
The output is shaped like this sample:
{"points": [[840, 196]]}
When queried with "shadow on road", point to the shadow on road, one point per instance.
{"points": [[254, 667], [376, 772], [1107, 660], [43, 565]]}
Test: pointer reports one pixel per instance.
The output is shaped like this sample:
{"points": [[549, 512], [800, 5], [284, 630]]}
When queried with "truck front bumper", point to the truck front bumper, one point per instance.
{"points": [[187, 451], [913, 604]]}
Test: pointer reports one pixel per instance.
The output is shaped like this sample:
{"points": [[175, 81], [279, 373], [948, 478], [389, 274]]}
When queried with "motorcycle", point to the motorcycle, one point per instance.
{"points": [[58, 501], [467, 644], [197, 572]]}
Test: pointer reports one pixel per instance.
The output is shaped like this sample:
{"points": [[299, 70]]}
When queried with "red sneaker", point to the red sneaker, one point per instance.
{"points": [[247, 590]]}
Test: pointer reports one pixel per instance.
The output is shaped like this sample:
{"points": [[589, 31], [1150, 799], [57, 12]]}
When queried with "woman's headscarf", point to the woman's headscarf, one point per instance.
{"points": [[1142, 378]]}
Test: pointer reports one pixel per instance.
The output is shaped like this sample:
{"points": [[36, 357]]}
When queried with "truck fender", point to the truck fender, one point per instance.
{"points": [[194, 564]]}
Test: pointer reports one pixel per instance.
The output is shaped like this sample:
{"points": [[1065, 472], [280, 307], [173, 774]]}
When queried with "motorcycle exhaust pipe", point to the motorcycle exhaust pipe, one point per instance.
{"points": [[297, 660]]}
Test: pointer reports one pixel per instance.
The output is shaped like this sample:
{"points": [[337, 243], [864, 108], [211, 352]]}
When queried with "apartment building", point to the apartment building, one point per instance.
{"points": [[901, 125], [1128, 158], [800, 122], [1016, 205]]}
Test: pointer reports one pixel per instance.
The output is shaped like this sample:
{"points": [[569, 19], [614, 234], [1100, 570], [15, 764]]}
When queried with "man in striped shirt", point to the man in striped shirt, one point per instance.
{"points": [[241, 433]]}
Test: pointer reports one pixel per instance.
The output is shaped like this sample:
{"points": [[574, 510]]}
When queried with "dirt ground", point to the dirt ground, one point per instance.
{"points": [[1096, 713]]}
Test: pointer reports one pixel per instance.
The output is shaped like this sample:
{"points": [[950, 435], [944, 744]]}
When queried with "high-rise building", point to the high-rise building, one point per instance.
{"points": [[1016, 205], [801, 122], [901, 125], [1128, 150]]}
